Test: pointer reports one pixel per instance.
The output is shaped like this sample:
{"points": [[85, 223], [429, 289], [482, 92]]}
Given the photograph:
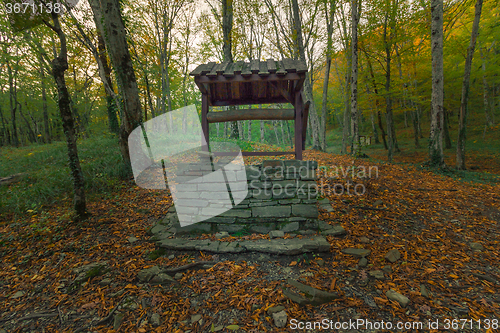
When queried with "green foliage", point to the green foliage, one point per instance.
{"points": [[46, 176], [157, 253]]}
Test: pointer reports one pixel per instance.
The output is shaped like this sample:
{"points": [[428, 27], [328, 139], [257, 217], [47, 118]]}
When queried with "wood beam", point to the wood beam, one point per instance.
{"points": [[298, 126], [251, 114], [249, 78], [204, 122], [249, 101]]}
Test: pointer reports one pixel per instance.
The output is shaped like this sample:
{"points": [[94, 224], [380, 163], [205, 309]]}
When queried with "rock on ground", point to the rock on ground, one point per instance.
{"points": [[395, 296], [280, 319]]}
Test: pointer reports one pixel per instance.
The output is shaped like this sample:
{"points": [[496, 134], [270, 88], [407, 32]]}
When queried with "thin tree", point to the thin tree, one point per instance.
{"points": [[329, 16], [300, 53], [465, 88], [437, 117], [59, 67], [355, 144]]}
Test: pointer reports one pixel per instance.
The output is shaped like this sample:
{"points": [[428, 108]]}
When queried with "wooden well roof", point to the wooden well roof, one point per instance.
{"points": [[254, 82]]}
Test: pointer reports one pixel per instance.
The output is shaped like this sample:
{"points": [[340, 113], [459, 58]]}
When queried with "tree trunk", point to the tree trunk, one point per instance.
{"points": [[346, 122], [437, 117], [13, 105], [355, 144], [414, 118], [227, 27], [31, 135], [289, 136], [300, 52], [111, 106], [330, 16], [59, 66], [250, 130], [44, 103], [116, 44], [275, 128], [388, 98], [374, 128], [487, 117], [379, 115], [446, 129], [261, 127], [465, 88]]}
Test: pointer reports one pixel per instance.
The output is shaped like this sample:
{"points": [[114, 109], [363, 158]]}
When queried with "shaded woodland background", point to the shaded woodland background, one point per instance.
{"points": [[370, 73]]}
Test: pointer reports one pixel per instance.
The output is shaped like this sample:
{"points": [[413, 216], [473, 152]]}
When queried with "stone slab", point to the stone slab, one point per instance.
{"points": [[275, 246]]}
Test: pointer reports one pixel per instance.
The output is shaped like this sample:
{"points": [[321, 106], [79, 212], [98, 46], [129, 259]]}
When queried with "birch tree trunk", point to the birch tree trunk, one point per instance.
{"points": [[437, 117], [355, 144], [346, 122], [465, 88], [59, 67]]}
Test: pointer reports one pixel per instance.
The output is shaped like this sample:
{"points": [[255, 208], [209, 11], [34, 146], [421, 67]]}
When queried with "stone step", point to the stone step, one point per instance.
{"points": [[276, 246]]}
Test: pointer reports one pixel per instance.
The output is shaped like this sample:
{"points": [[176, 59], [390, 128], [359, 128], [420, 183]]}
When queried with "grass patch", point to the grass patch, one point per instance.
{"points": [[160, 252], [46, 176]]}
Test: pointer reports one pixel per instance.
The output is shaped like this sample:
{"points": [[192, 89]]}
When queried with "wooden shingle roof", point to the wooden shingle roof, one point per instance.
{"points": [[253, 82], [262, 68]]}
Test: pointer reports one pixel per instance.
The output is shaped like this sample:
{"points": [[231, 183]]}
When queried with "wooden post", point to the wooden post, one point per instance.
{"points": [[204, 121], [298, 126]]}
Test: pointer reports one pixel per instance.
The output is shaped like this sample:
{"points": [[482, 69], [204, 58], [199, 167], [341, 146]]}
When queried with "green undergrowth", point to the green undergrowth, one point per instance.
{"points": [[46, 177]]}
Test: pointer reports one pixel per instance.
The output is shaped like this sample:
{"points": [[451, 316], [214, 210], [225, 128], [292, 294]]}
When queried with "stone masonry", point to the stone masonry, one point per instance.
{"points": [[282, 195]]}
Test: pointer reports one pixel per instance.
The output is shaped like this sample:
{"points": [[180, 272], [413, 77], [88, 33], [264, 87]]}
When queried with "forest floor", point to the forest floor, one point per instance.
{"points": [[445, 227]]}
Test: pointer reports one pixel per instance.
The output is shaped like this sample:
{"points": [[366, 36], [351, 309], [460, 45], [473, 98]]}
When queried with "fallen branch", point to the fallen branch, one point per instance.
{"points": [[484, 277], [188, 266], [39, 315], [10, 179], [60, 315], [105, 319], [437, 189], [108, 317], [369, 208]]}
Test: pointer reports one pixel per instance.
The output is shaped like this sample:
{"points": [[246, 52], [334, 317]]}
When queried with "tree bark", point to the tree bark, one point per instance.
{"points": [[465, 88], [116, 43], [355, 144], [487, 117], [374, 128], [346, 122], [330, 16], [414, 118], [388, 98], [227, 27], [59, 67], [13, 105], [111, 104], [446, 129], [437, 117], [379, 115], [300, 53], [46, 126]]}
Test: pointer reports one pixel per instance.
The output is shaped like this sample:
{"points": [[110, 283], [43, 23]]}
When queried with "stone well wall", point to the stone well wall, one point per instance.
{"points": [[282, 195]]}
